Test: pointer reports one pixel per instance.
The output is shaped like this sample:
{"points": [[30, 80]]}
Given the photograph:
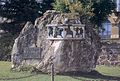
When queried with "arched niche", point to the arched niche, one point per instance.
{"points": [[66, 31]]}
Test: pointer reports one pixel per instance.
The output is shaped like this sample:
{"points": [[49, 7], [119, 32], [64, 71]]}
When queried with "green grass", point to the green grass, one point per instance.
{"points": [[104, 73], [111, 71]]}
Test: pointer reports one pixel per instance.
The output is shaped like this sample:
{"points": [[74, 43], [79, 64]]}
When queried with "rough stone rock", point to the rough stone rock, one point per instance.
{"points": [[78, 55], [110, 54]]}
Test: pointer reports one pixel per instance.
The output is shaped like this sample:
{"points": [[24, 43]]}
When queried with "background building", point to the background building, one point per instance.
{"points": [[111, 27]]}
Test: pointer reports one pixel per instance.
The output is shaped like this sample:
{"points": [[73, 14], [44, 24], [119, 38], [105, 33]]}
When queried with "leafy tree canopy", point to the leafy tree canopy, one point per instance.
{"points": [[23, 10], [96, 10], [102, 9], [20, 11]]}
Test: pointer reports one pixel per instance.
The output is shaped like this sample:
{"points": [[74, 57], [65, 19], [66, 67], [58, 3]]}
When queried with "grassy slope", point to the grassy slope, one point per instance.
{"points": [[107, 73], [111, 71]]}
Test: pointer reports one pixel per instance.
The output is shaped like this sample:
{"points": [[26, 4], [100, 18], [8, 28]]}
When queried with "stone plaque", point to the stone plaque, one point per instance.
{"points": [[32, 53]]}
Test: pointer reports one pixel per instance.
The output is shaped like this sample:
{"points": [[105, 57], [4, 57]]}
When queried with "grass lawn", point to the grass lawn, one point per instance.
{"points": [[104, 74]]}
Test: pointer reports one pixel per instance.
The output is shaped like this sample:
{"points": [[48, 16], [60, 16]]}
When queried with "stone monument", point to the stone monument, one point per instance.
{"points": [[64, 40]]}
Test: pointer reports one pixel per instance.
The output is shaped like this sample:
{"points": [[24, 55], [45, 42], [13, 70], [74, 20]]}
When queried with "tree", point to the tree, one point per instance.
{"points": [[24, 10], [21, 11], [96, 10], [101, 10], [46, 5], [18, 12], [60, 5]]}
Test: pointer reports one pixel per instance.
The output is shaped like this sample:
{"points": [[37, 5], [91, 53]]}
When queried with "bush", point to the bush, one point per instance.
{"points": [[6, 43]]}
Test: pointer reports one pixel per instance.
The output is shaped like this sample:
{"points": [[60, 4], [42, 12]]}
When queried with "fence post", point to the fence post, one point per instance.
{"points": [[52, 72]]}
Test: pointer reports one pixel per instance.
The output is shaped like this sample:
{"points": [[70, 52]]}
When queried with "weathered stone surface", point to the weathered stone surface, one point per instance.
{"points": [[67, 55], [27, 38], [110, 54]]}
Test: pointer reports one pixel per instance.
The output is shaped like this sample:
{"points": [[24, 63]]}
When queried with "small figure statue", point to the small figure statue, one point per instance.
{"points": [[69, 31], [79, 32], [58, 31], [66, 20], [50, 31]]}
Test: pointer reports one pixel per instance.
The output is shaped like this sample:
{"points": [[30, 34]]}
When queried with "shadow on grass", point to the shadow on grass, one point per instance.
{"points": [[18, 77], [75, 75], [91, 75]]}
